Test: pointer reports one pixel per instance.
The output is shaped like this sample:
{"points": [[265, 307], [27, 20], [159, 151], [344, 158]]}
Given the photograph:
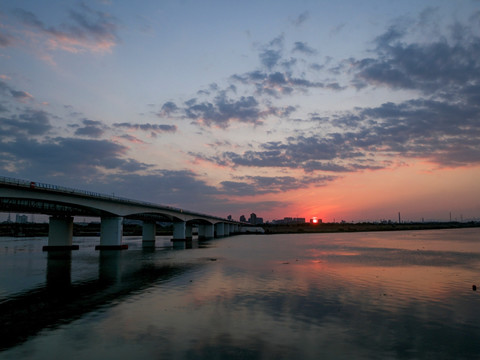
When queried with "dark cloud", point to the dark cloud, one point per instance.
{"points": [[30, 122], [168, 108], [276, 83], [269, 58], [18, 95], [297, 152], [271, 54], [67, 158], [445, 133], [223, 110], [302, 47], [156, 128], [91, 128], [257, 185], [314, 165], [21, 95], [335, 86], [442, 66]]}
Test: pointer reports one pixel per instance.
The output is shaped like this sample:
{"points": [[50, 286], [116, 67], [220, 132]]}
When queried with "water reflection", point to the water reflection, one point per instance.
{"points": [[59, 269], [60, 301], [110, 266], [311, 296]]}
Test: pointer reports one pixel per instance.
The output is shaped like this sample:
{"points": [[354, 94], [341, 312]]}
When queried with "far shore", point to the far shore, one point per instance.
{"points": [[358, 227], [93, 229]]}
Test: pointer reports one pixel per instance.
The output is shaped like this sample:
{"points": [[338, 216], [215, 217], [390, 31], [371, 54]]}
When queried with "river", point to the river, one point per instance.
{"points": [[372, 295]]}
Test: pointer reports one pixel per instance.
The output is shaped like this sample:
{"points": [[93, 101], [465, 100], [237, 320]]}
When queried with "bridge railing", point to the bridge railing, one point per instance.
{"points": [[67, 190]]}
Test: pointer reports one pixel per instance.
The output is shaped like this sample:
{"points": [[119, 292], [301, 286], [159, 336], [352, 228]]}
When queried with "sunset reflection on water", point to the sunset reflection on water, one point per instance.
{"points": [[363, 296]]}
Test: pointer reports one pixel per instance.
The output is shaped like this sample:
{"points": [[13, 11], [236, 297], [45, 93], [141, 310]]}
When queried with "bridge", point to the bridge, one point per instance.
{"points": [[62, 204]]}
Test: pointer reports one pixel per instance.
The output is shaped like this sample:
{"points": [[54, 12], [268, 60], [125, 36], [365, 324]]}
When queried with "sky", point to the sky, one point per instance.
{"points": [[344, 110]]}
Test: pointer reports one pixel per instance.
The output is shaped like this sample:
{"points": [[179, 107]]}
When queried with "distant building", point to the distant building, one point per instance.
{"points": [[253, 219], [229, 217], [315, 220], [243, 219]]}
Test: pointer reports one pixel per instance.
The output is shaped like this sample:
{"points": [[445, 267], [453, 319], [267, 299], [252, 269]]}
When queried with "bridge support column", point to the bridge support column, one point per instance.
{"points": [[179, 231], [228, 229], [201, 232], [189, 232], [60, 233], [220, 229], [111, 229], [208, 232], [149, 229]]}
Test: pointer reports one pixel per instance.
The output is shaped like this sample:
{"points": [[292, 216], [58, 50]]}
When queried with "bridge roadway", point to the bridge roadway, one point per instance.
{"points": [[62, 204]]}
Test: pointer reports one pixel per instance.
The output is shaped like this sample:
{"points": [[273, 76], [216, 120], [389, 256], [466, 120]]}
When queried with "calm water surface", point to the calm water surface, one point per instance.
{"points": [[388, 295]]}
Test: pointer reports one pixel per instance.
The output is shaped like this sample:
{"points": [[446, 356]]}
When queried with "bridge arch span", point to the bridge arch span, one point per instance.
{"points": [[64, 203]]}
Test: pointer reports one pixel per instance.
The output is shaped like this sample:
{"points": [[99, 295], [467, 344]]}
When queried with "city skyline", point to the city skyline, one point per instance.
{"points": [[304, 109]]}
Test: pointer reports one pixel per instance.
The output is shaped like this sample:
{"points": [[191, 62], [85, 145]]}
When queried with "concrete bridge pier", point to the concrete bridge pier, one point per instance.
{"points": [[111, 229], [206, 231], [220, 230], [228, 229], [201, 232], [179, 230], [110, 268], [209, 231], [60, 234], [149, 230], [188, 232]]}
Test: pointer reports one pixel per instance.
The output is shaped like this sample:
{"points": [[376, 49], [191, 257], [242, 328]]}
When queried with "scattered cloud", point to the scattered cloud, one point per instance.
{"points": [[277, 83], [223, 110], [302, 47], [7, 90], [300, 19], [259, 185], [168, 108], [443, 66], [84, 30], [91, 128], [28, 123], [156, 128]]}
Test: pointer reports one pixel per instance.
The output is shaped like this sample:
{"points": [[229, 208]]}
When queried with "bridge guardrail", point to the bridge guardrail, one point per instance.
{"points": [[67, 190]]}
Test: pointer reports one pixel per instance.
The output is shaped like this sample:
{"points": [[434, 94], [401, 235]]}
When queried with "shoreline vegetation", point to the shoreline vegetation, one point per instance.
{"points": [[364, 227], [93, 229]]}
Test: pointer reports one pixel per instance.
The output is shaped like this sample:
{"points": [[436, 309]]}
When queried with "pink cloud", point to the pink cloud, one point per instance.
{"points": [[85, 30]]}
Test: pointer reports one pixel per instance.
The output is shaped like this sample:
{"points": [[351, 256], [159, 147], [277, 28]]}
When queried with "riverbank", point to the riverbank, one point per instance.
{"points": [[359, 227], [93, 229]]}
